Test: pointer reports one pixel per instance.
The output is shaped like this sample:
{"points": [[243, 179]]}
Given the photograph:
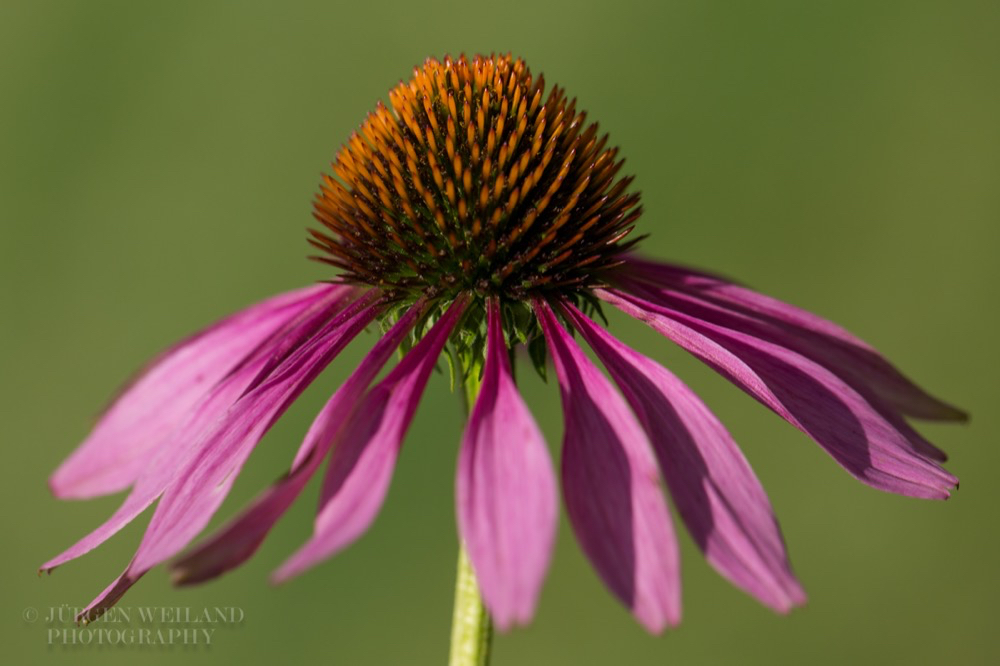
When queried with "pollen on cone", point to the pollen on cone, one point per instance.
{"points": [[475, 179]]}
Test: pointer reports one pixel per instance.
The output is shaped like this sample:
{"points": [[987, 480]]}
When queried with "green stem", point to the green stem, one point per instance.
{"points": [[471, 627]]}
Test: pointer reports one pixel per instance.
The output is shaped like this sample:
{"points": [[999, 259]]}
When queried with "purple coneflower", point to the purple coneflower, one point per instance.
{"points": [[479, 214]]}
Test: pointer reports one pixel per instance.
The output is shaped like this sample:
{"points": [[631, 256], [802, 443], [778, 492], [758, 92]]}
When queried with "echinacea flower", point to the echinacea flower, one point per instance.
{"points": [[476, 215]]}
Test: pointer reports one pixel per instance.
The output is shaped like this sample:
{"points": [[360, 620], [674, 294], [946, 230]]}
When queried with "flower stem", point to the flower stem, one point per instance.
{"points": [[471, 627]]}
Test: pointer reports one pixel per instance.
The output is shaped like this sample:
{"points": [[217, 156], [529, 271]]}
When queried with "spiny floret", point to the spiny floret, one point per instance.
{"points": [[475, 180]]}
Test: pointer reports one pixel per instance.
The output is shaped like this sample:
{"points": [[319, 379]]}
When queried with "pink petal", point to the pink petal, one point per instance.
{"points": [[823, 341], [146, 413], [506, 490], [240, 538], [853, 366], [366, 451], [828, 352], [170, 458], [106, 599], [209, 469], [188, 505], [611, 487], [805, 394], [715, 491]]}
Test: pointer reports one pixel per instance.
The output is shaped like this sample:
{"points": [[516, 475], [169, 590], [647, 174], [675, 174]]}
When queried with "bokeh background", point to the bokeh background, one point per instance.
{"points": [[157, 162]]}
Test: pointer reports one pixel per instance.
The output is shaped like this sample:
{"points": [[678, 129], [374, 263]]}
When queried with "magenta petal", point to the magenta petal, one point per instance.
{"points": [[611, 487], [863, 370], [168, 461], [188, 505], [506, 490], [146, 413], [239, 539], [714, 299], [163, 470], [365, 454], [209, 467], [856, 367], [715, 491], [106, 599], [805, 394], [207, 474]]}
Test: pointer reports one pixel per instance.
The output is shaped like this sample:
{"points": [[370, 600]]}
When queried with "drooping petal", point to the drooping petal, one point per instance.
{"points": [[849, 366], [365, 453], [239, 539], [819, 339], [505, 490], [188, 505], [106, 599], [716, 492], [611, 487], [143, 417], [206, 476], [805, 394], [170, 458], [855, 366]]}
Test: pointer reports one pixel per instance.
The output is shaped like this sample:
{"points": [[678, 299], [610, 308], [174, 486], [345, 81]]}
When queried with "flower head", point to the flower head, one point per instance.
{"points": [[476, 181], [478, 214]]}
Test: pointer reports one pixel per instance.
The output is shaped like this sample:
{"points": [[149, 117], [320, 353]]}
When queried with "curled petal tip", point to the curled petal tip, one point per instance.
{"points": [[286, 572], [655, 623], [959, 415], [796, 598], [180, 576], [797, 601]]}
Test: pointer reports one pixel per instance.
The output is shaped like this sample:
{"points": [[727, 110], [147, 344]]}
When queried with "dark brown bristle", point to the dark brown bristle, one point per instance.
{"points": [[475, 179]]}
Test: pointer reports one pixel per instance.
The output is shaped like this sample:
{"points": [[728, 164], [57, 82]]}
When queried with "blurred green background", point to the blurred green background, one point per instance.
{"points": [[157, 162]]}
